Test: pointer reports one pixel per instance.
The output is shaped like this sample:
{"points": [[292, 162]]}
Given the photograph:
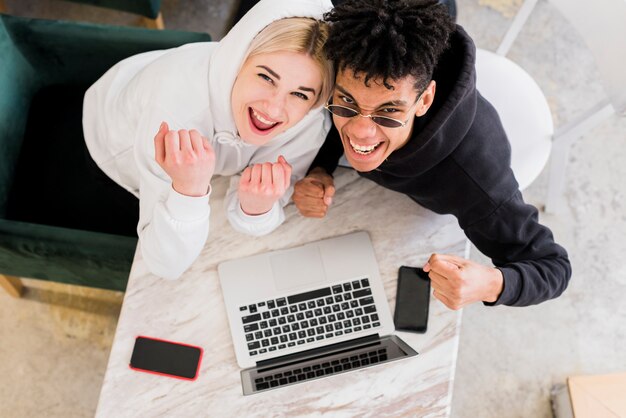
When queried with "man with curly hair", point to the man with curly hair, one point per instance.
{"points": [[408, 117]]}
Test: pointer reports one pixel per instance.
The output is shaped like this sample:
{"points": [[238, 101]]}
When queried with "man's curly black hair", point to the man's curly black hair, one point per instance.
{"points": [[388, 39]]}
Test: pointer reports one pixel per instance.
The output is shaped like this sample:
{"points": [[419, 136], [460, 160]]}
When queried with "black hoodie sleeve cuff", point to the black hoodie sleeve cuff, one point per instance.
{"points": [[511, 287]]}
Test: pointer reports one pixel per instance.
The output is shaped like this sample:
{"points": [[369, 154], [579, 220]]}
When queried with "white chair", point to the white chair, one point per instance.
{"points": [[523, 108]]}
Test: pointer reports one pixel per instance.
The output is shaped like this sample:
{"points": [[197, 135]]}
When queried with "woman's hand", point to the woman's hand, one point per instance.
{"points": [[187, 157], [261, 185]]}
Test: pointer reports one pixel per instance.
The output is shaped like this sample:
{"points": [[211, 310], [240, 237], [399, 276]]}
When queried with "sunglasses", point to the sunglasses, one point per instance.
{"points": [[350, 112]]}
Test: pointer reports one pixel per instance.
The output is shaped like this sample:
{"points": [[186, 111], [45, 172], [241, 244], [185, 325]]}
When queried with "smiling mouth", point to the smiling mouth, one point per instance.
{"points": [[260, 122], [364, 149]]}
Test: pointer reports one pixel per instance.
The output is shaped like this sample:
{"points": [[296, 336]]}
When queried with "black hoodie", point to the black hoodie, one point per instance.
{"points": [[458, 161]]}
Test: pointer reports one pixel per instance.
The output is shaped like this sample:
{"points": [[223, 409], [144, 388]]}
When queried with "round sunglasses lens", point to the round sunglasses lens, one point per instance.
{"points": [[387, 122], [344, 112]]}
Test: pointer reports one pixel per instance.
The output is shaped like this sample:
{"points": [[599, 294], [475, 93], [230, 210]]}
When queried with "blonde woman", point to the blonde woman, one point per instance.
{"points": [[249, 106]]}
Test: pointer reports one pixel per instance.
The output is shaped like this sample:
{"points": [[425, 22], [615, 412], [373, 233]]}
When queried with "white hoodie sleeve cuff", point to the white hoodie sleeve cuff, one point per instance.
{"points": [[187, 208], [255, 225]]}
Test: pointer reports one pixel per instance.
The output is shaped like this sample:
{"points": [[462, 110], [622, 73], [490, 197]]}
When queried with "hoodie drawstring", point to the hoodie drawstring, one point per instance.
{"points": [[230, 139]]}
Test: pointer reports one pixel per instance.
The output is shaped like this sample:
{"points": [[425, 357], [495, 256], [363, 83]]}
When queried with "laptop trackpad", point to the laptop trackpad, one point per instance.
{"points": [[297, 268]]}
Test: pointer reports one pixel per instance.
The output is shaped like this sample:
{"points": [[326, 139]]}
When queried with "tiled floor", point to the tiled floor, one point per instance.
{"points": [[54, 341]]}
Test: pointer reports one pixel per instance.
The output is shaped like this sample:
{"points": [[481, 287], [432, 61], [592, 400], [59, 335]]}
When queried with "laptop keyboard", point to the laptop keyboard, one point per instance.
{"points": [[321, 368], [277, 324]]}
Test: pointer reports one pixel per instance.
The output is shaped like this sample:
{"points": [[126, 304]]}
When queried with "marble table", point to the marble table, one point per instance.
{"points": [[191, 310]]}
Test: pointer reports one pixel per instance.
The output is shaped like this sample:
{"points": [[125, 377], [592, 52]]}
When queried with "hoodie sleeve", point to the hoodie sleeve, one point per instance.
{"points": [[496, 219], [256, 225], [476, 183], [172, 228], [299, 152], [535, 268]]}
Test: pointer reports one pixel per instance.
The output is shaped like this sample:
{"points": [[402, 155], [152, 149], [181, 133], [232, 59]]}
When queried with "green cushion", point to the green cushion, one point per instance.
{"points": [[48, 230]]}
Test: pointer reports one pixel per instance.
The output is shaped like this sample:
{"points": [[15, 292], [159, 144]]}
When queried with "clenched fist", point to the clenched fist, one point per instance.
{"points": [[314, 193], [458, 282], [187, 157], [261, 185]]}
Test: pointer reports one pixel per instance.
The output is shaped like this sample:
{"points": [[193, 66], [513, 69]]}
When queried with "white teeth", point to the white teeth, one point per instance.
{"points": [[364, 149], [262, 119]]}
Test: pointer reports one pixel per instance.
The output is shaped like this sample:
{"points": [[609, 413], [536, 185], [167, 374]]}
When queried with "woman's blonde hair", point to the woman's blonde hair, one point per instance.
{"points": [[297, 34]]}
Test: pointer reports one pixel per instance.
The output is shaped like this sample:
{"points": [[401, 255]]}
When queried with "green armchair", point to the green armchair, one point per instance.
{"points": [[58, 220]]}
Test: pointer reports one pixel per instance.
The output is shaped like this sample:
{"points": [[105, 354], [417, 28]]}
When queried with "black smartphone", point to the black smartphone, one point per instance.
{"points": [[412, 299], [166, 358]]}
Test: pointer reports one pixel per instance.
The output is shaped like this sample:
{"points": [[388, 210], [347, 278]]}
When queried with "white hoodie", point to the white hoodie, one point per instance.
{"points": [[189, 88]]}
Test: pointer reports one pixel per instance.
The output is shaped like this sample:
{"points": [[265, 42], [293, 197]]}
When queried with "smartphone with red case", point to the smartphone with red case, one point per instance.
{"points": [[166, 358]]}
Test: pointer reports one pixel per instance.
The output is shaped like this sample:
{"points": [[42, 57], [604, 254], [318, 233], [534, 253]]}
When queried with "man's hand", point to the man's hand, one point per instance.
{"points": [[458, 282], [261, 185], [313, 194], [187, 157]]}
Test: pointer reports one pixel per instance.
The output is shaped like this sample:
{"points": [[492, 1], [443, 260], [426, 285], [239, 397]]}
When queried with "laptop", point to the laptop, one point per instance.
{"points": [[308, 312]]}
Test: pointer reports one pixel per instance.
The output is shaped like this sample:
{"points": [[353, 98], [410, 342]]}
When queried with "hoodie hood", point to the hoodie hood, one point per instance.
{"points": [[443, 127], [228, 55]]}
